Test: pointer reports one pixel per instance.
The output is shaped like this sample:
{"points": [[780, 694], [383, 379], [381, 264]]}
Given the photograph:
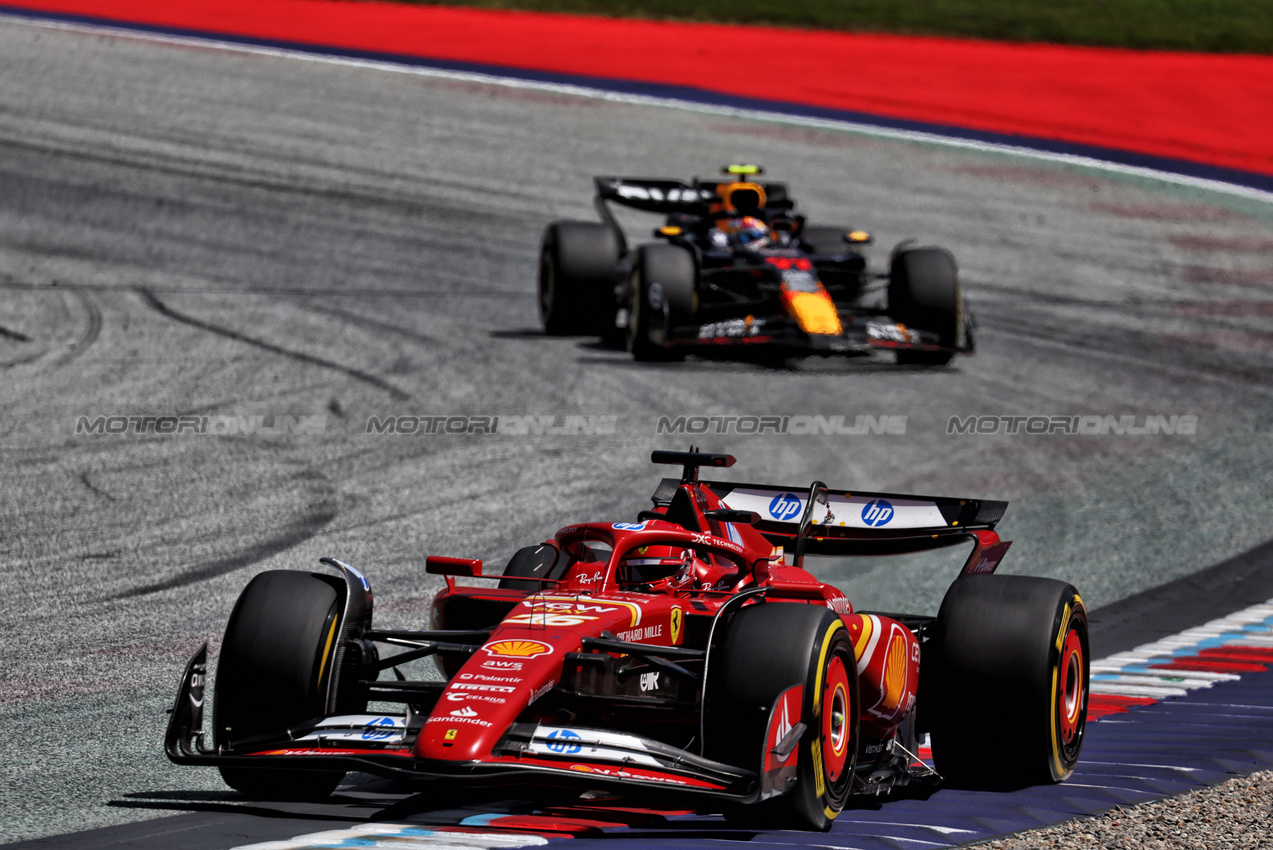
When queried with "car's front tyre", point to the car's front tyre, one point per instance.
{"points": [[768, 649], [662, 296], [275, 666], [924, 293]]}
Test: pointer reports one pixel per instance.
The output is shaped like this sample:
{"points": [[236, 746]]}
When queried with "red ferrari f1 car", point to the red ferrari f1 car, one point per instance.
{"points": [[685, 653], [737, 269]]}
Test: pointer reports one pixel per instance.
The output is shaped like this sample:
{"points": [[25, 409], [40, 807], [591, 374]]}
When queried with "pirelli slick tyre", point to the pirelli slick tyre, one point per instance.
{"points": [[529, 567], [924, 293], [767, 649], [662, 290], [275, 665], [1008, 684], [578, 261]]}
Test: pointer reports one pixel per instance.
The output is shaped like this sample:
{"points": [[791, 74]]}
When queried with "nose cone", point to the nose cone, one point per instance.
{"points": [[514, 667], [814, 312]]}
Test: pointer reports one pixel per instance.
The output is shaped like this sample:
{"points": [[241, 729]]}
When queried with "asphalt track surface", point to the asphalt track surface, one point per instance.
{"points": [[1197, 114], [195, 231]]}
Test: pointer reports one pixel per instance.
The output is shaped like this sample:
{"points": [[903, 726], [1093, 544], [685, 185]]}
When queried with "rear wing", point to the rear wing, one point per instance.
{"points": [[653, 195], [676, 196], [820, 521]]}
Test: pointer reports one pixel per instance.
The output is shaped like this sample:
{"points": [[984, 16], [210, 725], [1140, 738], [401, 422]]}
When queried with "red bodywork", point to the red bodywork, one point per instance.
{"points": [[547, 675]]}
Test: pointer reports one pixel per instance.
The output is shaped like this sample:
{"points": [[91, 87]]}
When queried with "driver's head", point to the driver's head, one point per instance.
{"points": [[746, 231], [650, 564]]}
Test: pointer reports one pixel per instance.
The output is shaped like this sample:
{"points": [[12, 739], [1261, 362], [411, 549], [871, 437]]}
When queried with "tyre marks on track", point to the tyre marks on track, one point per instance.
{"points": [[58, 322], [163, 309], [302, 529], [92, 329]]}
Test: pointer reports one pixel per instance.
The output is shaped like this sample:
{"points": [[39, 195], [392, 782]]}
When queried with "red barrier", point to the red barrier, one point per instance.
{"points": [[1210, 109]]}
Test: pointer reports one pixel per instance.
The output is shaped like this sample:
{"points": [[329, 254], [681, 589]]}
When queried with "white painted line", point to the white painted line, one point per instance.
{"points": [[1129, 690], [944, 830], [397, 836], [1182, 676], [1155, 766]]}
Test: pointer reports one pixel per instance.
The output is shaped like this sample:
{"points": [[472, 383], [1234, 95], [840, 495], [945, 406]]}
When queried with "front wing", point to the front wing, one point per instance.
{"points": [[530, 753], [861, 335]]}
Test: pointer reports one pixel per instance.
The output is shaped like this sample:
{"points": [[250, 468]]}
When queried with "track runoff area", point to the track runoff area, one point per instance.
{"points": [[1184, 710]]}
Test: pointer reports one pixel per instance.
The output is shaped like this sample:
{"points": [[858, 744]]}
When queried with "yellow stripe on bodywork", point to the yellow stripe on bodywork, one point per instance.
{"points": [[815, 312]]}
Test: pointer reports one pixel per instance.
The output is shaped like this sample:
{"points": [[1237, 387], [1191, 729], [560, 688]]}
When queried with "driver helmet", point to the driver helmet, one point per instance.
{"points": [[650, 565], [746, 232]]}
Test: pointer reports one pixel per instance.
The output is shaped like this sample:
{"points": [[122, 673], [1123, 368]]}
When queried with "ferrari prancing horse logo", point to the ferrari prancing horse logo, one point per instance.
{"points": [[678, 620]]}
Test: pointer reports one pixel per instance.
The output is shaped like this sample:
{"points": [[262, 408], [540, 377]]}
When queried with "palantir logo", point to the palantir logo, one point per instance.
{"points": [[877, 512], [784, 506], [563, 741]]}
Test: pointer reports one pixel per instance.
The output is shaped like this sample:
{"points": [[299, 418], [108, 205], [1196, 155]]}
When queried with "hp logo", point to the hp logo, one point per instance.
{"points": [[563, 741], [877, 512], [784, 506]]}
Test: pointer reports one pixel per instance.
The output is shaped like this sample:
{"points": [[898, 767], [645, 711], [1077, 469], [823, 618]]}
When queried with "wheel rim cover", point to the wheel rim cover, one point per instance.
{"points": [[1070, 697], [836, 719]]}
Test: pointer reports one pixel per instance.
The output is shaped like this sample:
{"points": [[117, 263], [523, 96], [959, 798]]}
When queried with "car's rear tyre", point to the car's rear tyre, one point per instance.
{"points": [[767, 649], [275, 665], [924, 293], [578, 261], [662, 291], [1008, 681]]}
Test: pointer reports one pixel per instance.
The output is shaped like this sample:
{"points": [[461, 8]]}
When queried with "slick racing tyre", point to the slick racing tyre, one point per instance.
{"points": [[662, 290], [276, 662], [1008, 686], [578, 261], [767, 649], [924, 293], [529, 567]]}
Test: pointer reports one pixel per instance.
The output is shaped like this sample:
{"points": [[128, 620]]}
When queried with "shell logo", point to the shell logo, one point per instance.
{"points": [[518, 648], [895, 672]]}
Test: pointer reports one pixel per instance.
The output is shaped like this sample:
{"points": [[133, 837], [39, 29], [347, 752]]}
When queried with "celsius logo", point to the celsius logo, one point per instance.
{"points": [[563, 741], [877, 512], [784, 506]]}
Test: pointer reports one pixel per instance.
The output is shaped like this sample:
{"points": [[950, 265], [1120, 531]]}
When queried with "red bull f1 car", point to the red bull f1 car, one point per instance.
{"points": [[685, 654], [737, 269]]}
